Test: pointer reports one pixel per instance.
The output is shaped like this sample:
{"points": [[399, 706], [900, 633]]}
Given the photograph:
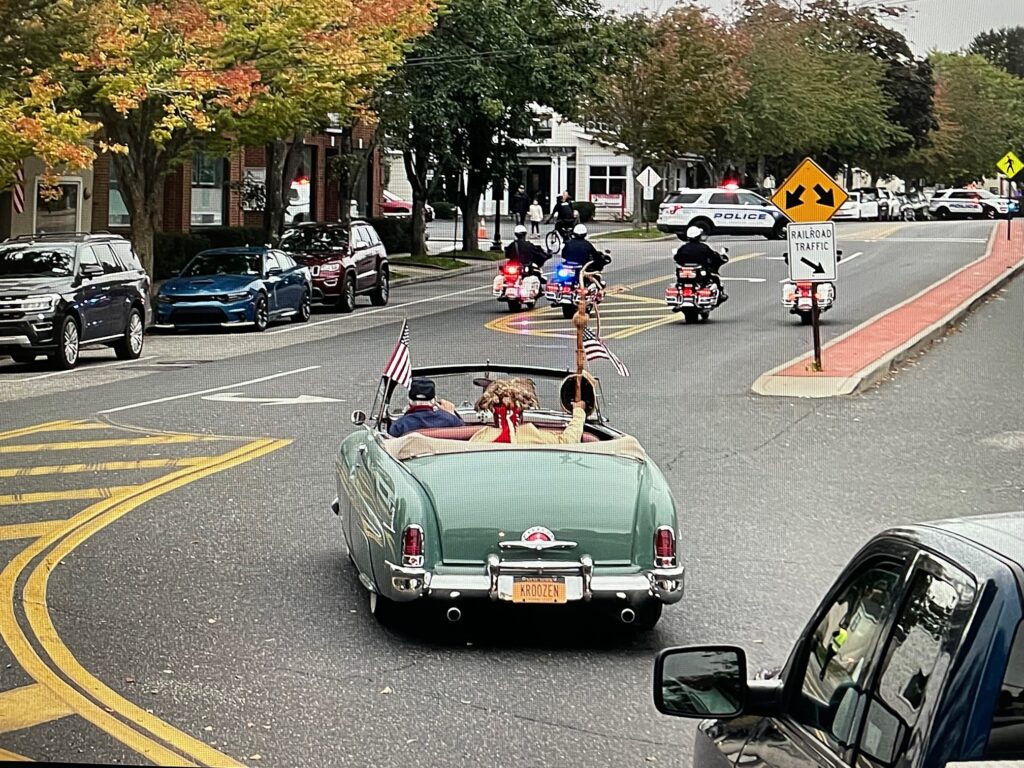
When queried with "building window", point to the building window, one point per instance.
{"points": [[608, 180], [59, 209], [117, 211], [542, 129], [209, 194]]}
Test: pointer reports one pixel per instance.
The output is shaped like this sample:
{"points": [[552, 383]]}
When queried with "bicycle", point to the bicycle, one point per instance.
{"points": [[556, 238]]}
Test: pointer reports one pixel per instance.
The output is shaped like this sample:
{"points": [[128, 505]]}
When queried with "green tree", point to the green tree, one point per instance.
{"points": [[463, 97], [980, 110], [1002, 47], [675, 85]]}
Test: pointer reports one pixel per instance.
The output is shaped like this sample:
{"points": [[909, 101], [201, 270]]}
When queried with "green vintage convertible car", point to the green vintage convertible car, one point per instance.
{"points": [[430, 516]]}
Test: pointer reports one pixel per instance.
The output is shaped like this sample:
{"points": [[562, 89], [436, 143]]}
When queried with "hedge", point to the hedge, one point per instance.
{"points": [[173, 250], [586, 211], [443, 210], [395, 232]]}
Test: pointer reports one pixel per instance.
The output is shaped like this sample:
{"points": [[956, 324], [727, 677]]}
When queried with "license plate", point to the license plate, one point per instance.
{"points": [[538, 591]]}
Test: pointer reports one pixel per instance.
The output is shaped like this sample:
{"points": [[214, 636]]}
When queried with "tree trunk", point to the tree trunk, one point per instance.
{"points": [[474, 191], [416, 171], [273, 209]]}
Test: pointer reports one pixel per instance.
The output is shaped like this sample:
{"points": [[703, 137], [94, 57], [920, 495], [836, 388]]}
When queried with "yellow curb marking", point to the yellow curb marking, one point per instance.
{"points": [[28, 530], [102, 466], [44, 497], [50, 426], [88, 697], [111, 443], [30, 705], [5, 755]]}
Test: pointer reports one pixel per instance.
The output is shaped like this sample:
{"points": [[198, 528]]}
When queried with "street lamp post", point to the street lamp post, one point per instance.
{"points": [[499, 188]]}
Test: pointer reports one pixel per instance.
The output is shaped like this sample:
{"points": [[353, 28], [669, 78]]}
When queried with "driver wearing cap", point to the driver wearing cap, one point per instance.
{"points": [[424, 410]]}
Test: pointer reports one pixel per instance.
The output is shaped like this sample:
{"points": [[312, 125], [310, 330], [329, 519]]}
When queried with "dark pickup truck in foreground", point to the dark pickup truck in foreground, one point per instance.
{"points": [[915, 658]]}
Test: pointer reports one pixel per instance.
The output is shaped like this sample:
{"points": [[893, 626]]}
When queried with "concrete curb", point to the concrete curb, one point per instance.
{"points": [[442, 274], [771, 385], [612, 236]]}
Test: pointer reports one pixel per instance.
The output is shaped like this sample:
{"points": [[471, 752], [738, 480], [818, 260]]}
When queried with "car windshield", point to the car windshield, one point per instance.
{"points": [[314, 239], [233, 263], [465, 389], [36, 261]]}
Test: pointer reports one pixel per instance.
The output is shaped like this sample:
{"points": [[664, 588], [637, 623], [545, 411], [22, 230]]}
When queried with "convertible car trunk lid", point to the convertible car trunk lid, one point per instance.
{"points": [[486, 498]]}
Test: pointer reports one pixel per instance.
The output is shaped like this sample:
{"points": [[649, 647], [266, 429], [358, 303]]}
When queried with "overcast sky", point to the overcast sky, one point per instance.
{"points": [[943, 24]]}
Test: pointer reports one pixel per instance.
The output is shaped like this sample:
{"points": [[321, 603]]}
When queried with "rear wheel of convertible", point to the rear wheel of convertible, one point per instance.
{"points": [[647, 616], [382, 609]]}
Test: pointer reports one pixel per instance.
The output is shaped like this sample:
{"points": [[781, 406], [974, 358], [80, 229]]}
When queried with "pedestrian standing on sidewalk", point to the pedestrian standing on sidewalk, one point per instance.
{"points": [[536, 217], [521, 205]]}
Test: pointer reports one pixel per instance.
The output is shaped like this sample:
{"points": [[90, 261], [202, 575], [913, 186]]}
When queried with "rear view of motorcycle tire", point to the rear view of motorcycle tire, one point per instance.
{"points": [[514, 306], [690, 315], [805, 318], [568, 310]]}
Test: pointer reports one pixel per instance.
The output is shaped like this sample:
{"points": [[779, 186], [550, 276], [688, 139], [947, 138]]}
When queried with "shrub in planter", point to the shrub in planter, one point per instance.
{"points": [[395, 232], [443, 210], [173, 250], [232, 237], [586, 211]]}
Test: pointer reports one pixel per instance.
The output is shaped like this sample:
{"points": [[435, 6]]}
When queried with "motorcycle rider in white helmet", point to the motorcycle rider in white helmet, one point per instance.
{"points": [[529, 255], [696, 251], [579, 251]]}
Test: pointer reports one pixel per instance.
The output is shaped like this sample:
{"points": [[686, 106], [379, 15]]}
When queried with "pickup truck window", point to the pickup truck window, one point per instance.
{"points": [[841, 645], [1006, 740], [924, 640]]}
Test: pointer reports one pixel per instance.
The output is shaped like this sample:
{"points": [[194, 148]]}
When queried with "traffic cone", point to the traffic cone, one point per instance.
{"points": [[481, 231]]}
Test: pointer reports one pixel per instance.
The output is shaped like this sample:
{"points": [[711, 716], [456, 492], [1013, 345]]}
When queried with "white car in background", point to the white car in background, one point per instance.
{"points": [[721, 211], [859, 206], [968, 204]]}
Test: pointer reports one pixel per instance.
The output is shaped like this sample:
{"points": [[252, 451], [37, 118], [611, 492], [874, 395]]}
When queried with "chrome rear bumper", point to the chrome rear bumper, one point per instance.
{"points": [[582, 583]]}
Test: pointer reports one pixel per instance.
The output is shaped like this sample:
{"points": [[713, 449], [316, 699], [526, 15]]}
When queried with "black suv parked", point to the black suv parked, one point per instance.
{"points": [[59, 293]]}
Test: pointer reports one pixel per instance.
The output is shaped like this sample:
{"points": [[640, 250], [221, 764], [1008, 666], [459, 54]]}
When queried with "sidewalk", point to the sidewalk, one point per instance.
{"points": [[862, 356]]}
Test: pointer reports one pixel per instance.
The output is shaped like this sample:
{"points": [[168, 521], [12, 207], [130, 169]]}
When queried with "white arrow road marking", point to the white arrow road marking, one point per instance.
{"points": [[744, 279], [238, 397]]}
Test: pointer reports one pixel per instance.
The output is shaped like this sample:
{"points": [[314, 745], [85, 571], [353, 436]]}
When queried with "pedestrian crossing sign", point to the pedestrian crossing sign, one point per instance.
{"points": [[1010, 165]]}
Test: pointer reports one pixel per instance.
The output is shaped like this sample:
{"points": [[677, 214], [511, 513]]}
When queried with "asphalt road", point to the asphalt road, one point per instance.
{"points": [[226, 608]]}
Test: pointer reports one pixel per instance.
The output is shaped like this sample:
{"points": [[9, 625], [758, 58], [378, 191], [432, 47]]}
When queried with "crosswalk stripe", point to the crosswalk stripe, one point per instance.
{"points": [[28, 706], [102, 466], [111, 443], [44, 497]]}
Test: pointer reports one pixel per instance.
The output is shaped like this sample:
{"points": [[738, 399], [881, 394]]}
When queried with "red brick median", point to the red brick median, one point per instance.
{"points": [[879, 337]]}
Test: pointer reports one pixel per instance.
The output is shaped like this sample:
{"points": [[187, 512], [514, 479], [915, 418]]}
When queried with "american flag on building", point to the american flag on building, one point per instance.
{"points": [[595, 349], [399, 366], [18, 193]]}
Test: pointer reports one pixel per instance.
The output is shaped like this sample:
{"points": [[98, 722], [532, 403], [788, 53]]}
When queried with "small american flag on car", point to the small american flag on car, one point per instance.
{"points": [[399, 366], [595, 349]]}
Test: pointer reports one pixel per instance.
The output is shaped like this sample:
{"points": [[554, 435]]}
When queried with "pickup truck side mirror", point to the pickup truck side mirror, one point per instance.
{"points": [[711, 681], [91, 270]]}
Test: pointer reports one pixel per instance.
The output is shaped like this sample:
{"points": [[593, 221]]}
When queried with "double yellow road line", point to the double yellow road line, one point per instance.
{"points": [[63, 686]]}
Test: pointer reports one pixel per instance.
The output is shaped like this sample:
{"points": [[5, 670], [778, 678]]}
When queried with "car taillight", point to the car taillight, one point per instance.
{"points": [[412, 546], [664, 547]]}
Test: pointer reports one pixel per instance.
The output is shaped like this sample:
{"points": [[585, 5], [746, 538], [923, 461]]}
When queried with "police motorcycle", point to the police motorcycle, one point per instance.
{"points": [[517, 284], [563, 288], [694, 293], [798, 299]]}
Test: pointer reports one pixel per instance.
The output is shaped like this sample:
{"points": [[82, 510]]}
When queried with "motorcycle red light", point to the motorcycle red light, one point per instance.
{"points": [[511, 269], [412, 546], [664, 547], [687, 291]]}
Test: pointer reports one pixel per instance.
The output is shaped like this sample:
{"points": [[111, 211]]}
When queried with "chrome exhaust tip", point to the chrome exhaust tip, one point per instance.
{"points": [[453, 614], [628, 615]]}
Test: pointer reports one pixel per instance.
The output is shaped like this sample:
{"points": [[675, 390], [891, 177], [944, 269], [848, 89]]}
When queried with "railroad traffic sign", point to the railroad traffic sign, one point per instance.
{"points": [[812, 252], [1010, 165], [809, 194]]}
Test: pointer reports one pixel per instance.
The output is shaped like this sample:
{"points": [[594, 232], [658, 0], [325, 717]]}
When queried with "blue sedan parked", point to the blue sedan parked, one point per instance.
{"points": [[236, 286], [914, 659]]}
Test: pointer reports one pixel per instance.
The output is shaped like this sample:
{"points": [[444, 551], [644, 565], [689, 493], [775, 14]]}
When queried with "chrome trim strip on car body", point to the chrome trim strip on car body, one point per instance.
{"points": [[538, 546]]}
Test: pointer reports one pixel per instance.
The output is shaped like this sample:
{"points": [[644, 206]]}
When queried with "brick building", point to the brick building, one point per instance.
{"points": [[204, 193]]}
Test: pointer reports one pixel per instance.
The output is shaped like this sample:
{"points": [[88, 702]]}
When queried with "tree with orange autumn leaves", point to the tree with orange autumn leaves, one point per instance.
{"points": [[162, 78]]}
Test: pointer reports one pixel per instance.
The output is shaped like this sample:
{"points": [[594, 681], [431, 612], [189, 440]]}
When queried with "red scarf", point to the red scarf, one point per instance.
{"points": [[508, 419]]}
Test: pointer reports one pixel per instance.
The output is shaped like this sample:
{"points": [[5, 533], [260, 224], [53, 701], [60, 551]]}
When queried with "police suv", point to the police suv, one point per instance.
{"points": [[721, 211], [968, 203]]}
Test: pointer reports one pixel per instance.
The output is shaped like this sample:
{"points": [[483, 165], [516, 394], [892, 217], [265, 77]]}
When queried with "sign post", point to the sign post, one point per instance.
{"points": [[810, 198], [648, 179], [1010, 165]]}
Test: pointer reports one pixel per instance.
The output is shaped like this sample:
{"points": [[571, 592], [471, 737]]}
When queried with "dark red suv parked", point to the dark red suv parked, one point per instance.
{"points": [[344, 261]]}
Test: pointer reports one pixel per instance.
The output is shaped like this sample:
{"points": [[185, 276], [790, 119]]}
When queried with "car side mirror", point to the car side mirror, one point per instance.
{"points": [[358, 418], [701, 681], [91, 270], [274, 271], [360, 246]]}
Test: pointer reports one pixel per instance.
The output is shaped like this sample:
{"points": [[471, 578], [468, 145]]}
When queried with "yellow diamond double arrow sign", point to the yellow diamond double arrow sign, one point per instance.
{"points": [[809, 194], [1010, 165]]}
